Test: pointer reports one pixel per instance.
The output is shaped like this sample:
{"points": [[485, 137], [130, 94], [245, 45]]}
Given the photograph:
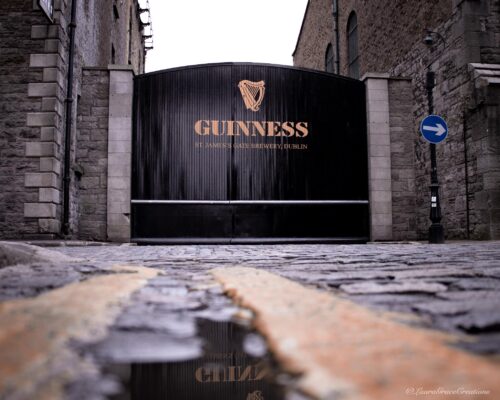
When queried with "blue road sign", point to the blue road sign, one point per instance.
{"points": [[434, 129]]}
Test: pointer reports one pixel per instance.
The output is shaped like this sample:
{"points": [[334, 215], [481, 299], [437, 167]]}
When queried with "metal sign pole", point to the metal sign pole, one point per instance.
{"points": [[436, 231]]}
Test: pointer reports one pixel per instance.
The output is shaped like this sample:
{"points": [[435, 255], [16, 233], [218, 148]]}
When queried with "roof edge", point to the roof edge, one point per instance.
{"points": [[301, 28]]}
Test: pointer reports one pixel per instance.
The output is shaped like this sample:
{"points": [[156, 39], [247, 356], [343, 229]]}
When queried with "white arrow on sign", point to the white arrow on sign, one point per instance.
{"points": [[439, 129]]}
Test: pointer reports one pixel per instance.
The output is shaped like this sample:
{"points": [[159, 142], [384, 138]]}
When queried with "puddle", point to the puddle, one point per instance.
{"points": [[235, 365]]}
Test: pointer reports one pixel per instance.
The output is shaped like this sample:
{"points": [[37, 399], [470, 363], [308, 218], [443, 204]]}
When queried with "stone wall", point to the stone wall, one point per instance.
{"points": [[92, 154], [404, 217], [391, 41], [30, 114], [482, 134], [33, 87], [110, 24], [315, 35]]}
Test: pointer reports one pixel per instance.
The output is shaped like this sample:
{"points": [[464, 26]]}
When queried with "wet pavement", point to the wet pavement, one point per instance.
{"points": [[178, 328], [455, 287]]}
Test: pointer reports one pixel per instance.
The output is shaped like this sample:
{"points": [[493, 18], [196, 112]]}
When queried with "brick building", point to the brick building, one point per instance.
{"points": [[47, 191], [382, 42]]}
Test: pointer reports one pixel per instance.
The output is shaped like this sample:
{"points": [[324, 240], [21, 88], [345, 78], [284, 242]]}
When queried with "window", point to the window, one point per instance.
{"points": [[130, 27], [352, 46], [329, 58], [116, 13]]}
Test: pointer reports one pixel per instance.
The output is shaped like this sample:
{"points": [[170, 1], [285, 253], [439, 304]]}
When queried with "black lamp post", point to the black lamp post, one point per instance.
{"points": [[436, 231]]}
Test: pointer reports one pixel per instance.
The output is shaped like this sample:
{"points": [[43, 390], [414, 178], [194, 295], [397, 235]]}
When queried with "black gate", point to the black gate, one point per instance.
{"points": [[249, 152]]}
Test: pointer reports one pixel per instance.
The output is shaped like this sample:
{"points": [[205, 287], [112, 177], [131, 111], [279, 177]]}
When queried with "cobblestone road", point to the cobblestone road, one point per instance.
{"points": [[455, 287], [452, 287]]}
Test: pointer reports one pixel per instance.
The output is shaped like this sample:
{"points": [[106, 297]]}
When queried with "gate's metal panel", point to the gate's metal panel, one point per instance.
{"points": [[166, 164], [335, 162], [172, 163]]}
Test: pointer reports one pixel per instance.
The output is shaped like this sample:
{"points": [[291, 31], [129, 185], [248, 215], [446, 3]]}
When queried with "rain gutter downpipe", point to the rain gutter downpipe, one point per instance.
{"points": [[69, 121], [336, 31]]}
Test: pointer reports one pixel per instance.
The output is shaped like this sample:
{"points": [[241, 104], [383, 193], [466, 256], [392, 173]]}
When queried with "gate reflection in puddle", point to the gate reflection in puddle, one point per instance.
{"points": [[235, 366]]}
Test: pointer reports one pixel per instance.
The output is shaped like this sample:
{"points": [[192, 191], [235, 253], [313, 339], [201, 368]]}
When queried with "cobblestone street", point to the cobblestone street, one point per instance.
{"points": [[453, 288]]}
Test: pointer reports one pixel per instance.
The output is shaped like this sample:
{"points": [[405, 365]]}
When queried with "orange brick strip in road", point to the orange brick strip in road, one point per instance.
{"points": [[347, 351], [35, 361]]}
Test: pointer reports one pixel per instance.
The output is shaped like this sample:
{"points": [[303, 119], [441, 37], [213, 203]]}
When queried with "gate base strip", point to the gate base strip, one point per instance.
{"points": [[181, 241]]}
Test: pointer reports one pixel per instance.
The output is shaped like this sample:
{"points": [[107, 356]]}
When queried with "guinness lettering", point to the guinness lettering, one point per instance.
{"points": [[252, 128], [231, 373]]}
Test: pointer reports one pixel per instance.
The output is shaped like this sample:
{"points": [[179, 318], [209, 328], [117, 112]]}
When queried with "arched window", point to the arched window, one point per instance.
{"points": [[329, 58], [352, 46]]}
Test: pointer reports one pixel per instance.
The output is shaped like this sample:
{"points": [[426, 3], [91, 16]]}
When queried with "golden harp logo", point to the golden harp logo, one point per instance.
{"points": [[252, 93]]}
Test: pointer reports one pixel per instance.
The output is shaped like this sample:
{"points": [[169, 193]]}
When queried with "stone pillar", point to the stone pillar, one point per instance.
{"points": [[48, 118], [379, 155], [484, 132], [121, 88]]}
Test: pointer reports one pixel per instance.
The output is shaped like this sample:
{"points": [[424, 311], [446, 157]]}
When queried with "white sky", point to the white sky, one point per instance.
{"points": [[188, 32]]}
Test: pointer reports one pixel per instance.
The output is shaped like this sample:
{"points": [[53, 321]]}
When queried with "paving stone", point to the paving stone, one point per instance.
{"points": [[487, 343], [31, 280], [486, 319], [470, 295], [440, 307], [434, 272], [389, 300], [178, 325], [478, 284], [144, 347], [12, 253], [395, 287]]}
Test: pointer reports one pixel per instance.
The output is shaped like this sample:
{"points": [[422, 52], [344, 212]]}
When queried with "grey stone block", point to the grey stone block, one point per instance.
{"points": [[39, 119], [49, 195], [54, 46], [378, 117], [50, 164], [118, 220], [120, 146], [379, 150], [42, 89], [39, 31], [119, 208], [380, 162], [120, 105], [40, 210], [43, 179], [49, 225], [54, 75], [119, 183], [50, 134], [381, 232], [41, 149], [52, 104], [44, 60], [118, 159], [119, 171]]}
